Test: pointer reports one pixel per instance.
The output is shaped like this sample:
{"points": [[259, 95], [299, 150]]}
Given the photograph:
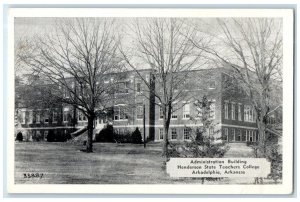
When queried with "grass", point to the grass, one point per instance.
{"points": [[110, 163], [64, 163]]}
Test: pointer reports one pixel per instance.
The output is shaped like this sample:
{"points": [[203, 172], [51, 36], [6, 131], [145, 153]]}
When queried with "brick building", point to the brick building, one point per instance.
{"points": [[233, 115]]}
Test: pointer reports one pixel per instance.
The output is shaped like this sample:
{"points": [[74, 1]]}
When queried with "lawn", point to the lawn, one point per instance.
{"points": [[110, 163], [64, 163]]}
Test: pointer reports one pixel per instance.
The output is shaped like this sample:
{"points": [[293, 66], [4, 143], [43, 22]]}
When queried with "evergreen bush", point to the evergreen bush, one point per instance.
{"points": [[276, 165], [136, 137], [106, 134], [19, 137], [50, 137]]}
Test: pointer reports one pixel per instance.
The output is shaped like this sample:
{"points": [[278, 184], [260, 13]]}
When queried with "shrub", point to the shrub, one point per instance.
{"points": [[59, 136], [51, 137], [123, 138], [276, 165], [106, 134], [136, 137], [19, 137], [37, 137]]}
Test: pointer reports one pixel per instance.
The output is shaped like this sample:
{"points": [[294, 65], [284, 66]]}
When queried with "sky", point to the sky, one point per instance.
{"points": [[31, 27]]}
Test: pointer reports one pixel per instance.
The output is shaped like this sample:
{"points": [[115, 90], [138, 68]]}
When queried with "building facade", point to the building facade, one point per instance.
{"points": [[134, 101]]}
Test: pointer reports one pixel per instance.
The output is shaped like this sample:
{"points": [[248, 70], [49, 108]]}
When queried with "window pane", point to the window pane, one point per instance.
{"points": [[233, 111], [186, 111], [186, 133], [138, 88], [174, 112], [161, 115], [174, 134], [226, 110], [117, 113], [30, 116], [139, 112], [212, 111], [161, 133]]}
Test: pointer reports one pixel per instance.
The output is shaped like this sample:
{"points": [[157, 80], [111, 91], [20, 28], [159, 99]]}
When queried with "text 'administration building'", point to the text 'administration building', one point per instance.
{"points": [[231, 110]]}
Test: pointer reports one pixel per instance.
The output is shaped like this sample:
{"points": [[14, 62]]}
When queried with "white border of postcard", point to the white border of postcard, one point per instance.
{"points": [[287, 184]]}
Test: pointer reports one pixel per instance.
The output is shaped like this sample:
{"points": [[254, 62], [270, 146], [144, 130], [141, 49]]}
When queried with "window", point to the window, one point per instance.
{"points": [[186, 133], [212, 110], [174, 112], [174, 115], [248, 113], [139, 112], [123, 113], [65, 92], [116, 113], [45, 134], [212, 85], [233, 133], [83, 90], [239, 136], [65, 114], [271, 119], [226, 110], [186, 111], [240, 112], [138, 87], [23, 117], [37, 117], [225, 137], [46, 117], [174, 134], [123, 87], [81, 116], [54, 118], [38, 133], [161, 133], [30, 116], [251, 139], [120, 113], [247, 135], [232, 111], [161, 114], [250, 136]]}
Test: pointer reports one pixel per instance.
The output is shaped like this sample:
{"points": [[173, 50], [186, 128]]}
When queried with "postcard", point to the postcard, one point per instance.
{"points": [[150, 101]]}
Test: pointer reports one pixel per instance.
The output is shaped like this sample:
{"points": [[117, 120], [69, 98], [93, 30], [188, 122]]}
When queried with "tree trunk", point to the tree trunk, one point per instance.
{"points": [[262, 138], [89, 144], [167, 117], [166, 140]]}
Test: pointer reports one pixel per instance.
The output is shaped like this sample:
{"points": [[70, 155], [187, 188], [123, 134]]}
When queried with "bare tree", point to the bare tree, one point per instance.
{"points": [[163, 45], [76, 57], [252, 48]]}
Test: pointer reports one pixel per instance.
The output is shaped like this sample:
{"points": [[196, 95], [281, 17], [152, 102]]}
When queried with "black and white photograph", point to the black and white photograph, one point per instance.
{"points": [[153, 100]]}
